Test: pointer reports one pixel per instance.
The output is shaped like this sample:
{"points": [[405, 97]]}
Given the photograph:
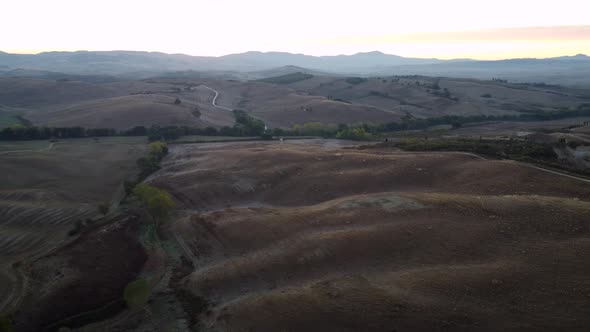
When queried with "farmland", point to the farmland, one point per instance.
{"points": [[322, 237], [47, 188]]}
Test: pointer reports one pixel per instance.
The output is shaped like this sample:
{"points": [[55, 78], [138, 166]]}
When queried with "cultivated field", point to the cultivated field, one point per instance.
{"points": [[284, 103], [47, 188], [323, 237]]}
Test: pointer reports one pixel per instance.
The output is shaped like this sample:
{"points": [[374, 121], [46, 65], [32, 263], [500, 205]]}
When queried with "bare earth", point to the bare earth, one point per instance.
{"points": [[318, 237], [323, 99], [44, 192]]}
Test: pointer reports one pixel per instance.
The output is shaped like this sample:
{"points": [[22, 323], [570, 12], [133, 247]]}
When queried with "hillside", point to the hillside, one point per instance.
{"points": [[316, 237], [50, 189], [280, 101]]}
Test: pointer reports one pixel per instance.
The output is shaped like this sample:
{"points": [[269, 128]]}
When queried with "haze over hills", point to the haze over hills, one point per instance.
{"points": [[566, 70]]}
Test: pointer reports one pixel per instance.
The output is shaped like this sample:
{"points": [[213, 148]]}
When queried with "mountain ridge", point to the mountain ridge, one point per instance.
{"points": [[566, 69]]}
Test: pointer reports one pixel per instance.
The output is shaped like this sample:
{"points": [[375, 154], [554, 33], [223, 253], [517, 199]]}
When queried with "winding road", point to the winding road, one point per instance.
{"points": [[214, 102]]}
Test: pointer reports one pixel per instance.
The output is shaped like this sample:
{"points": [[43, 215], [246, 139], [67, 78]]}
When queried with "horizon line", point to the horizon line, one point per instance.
{"points": [[24, 52]]}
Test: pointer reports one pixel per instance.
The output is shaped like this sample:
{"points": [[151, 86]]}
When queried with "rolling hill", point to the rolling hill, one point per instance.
{"points": [[292, 98], [311, 237]]}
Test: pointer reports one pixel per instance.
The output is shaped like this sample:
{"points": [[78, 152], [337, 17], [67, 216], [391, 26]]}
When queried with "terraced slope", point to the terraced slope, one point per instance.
{"points": [[45, 193], [291, 237]]}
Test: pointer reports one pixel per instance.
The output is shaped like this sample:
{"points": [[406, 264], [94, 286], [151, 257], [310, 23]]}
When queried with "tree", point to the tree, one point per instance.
{"points": [[267, 135], [156, 201], [357, 134], [137, 293], [158, 149]]}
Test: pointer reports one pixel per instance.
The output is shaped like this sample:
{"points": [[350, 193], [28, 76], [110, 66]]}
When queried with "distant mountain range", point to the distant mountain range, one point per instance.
{"points": [[569, 70]]}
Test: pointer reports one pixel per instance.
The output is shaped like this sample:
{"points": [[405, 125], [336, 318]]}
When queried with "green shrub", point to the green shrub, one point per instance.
{"points": [[156, 201], [247, 125], [137, 293], [356, 134]]}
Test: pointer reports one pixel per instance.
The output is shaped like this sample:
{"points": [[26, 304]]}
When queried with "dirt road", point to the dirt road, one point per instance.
{"points": [[214, 101]]}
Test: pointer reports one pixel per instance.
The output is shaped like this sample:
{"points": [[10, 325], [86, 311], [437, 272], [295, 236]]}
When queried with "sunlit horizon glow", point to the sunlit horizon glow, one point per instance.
{"points": [[427, 29]]}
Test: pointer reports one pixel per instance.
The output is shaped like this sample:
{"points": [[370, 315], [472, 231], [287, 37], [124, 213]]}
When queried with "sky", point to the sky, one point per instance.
{"points": [[487, 29]]}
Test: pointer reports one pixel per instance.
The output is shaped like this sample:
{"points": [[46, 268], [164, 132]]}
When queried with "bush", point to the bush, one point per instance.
{"points": [[158, 149], [156, 201], [150, 164], [266, 136], [137, 293], [357, 134]]}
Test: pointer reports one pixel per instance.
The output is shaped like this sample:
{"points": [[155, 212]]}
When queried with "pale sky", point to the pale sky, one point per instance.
{"points": [[428, 28]]}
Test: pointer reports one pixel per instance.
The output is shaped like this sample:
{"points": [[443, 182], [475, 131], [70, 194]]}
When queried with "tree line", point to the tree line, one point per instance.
{"points": [[246, 125]]}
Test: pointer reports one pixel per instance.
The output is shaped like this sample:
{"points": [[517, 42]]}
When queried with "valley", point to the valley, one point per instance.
{"points": [[290, 199]]}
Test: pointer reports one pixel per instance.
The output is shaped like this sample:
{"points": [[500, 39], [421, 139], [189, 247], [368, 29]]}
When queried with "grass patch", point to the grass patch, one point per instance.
{"points": [[137, 293]]}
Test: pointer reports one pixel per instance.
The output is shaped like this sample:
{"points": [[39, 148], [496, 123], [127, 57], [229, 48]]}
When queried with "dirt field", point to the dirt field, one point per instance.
{"points": [[119, 105], [324, 99], [509, 128], [47, 188], [87, 274], [315, 236]]}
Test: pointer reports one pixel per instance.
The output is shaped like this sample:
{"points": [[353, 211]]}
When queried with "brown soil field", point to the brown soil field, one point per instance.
{"points": [[123, 113], [291, 237], [404, 95], [119, 105], [44, 193], [281, 106], [87, 275], [324, 99], [517, 128]]}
